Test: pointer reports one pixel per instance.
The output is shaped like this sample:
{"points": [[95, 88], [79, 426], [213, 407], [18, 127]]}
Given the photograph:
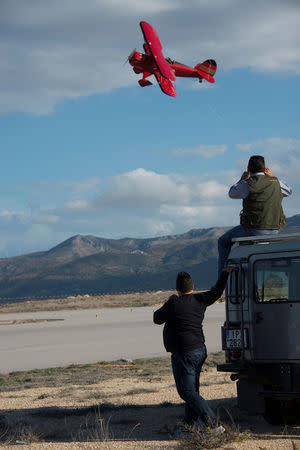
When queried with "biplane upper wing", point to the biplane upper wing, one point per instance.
{"points": [[155, 48]]}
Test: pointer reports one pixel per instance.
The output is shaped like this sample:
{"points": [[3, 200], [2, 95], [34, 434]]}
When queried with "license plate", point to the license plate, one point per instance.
{"points": [[234, 339]]}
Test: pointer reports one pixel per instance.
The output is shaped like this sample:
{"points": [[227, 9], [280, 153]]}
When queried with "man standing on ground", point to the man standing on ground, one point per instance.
{"points": [[262, 213], [183, 336]]}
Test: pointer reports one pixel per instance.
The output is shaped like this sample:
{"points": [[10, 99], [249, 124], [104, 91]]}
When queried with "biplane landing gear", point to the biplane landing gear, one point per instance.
{"points": [[200, 80], [143, 82]]}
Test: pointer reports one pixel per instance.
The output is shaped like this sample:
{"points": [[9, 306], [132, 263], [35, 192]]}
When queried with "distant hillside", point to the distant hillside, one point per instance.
{"points": [[89, 264]]}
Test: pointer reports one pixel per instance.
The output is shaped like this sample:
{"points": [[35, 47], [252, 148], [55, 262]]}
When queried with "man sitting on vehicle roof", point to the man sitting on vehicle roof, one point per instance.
{"points": [[262, 213]]}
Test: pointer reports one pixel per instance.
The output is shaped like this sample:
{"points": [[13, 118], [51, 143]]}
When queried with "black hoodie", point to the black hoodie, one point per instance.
{"points": [[183, 316]]}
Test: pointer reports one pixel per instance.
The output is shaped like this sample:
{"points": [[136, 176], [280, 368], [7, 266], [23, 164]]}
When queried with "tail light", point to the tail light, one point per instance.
{"points": [[235, 354]]}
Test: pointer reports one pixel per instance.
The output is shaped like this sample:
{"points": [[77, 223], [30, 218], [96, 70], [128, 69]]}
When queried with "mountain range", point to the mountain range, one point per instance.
{"points": [[93, 265]]}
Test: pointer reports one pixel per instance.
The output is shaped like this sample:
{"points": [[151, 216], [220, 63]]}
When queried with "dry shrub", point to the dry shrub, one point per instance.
{"points": [[197, 437], [95, 428], [21, 434]]}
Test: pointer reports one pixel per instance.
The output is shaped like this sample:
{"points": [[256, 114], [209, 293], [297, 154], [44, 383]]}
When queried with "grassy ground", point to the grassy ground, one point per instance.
{"points": [[94, 373]]}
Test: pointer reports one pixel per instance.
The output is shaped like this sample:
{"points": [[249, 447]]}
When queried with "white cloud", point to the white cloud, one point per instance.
{"points": [[47, 219], [195, 86], [11, 219], [52, 51], [150, 7], [142, 199], [274, 144], [202, 216], [139, 203], [82, 186], [281, 155], [211, 189], [78, 204], [206, 151], [67, 187], [142, 189]]}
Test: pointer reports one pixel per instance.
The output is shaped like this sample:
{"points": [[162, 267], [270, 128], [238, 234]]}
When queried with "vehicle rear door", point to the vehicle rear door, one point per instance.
{"points": [[275, 306]]}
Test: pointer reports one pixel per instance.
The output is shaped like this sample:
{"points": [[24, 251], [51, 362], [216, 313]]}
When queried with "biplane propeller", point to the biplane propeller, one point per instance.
{"points": [[165, 70], [130, 56]]}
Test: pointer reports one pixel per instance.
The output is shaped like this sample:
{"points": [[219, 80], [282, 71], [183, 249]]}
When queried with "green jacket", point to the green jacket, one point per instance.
{"points": [[262, 207]]}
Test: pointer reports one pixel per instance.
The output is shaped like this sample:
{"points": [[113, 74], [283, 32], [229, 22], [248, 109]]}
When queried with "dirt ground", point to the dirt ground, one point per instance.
{"points": [[124, 405], [89, 302]]}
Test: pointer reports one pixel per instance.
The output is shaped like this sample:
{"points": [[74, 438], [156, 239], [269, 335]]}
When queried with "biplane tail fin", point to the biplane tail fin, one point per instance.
{"points": [[207, 69]]}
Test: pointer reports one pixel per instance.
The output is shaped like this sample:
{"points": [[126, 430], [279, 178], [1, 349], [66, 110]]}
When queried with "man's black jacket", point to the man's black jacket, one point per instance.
{"points": [[183, 317]]}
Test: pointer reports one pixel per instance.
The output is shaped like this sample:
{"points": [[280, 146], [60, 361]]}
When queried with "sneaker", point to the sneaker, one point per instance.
{"points": [[217, 431]]}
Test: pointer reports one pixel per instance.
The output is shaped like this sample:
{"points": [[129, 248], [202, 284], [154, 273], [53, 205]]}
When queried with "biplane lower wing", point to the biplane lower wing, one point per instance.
{"points": [[155, 48], [165, 85], [143, 82]]}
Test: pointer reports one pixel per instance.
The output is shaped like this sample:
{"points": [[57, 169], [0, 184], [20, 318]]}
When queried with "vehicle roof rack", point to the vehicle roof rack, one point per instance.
{"points": [[266, 238]]}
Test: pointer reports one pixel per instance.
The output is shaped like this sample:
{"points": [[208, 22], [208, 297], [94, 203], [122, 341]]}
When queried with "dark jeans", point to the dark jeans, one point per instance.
{"points": [[186, 370]]}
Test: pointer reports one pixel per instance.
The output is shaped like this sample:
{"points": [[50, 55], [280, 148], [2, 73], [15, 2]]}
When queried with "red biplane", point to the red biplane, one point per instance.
{"points": [[165, 70]]}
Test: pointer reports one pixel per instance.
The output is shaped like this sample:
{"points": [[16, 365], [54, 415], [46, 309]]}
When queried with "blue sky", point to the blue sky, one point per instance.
{"points": [[86, 150]]}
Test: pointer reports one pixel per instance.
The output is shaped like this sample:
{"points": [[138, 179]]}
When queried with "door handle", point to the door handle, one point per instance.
{"points": [[259, 317]]}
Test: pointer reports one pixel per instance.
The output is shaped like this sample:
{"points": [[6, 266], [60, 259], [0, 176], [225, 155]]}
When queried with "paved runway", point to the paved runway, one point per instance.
{"points": [[86, 336]]}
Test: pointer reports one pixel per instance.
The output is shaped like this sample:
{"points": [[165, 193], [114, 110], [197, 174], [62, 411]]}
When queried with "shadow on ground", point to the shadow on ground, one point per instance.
{"points": [[93, 423], [256, 425], [126, 422]]}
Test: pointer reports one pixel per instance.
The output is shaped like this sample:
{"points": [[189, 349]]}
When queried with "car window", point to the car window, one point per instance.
{"points": [[277, 280]]}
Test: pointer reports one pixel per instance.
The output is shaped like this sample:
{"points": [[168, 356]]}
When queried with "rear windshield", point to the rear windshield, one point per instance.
{"points": [[277, 280]]}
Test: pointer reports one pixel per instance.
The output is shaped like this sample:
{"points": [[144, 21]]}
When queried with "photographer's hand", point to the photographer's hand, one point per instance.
{"points": [[268, 172]]}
